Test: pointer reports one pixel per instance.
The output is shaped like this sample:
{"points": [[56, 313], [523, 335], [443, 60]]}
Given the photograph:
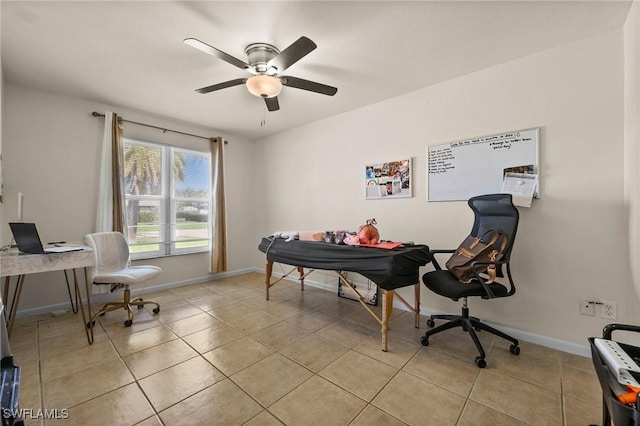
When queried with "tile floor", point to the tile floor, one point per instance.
{"points": [[220, 354]]}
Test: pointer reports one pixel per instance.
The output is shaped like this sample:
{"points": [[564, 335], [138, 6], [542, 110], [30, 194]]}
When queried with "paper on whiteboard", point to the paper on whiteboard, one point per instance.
{"points": [[522, 186]]}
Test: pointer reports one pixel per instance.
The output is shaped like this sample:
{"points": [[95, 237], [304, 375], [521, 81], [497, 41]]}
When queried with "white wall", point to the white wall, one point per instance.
{"points": [[632, 143], [570, 244], [51, 155]]}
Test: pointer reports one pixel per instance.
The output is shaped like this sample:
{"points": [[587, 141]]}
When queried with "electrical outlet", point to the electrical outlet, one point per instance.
{"points": [[609, 310], [587, 307]]}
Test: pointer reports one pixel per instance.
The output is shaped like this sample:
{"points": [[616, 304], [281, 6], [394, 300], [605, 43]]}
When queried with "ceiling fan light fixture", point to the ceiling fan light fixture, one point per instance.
{"points": [[264, 86]]}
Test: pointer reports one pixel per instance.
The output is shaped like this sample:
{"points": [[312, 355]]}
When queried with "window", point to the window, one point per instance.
{"points": [[167, 194]]}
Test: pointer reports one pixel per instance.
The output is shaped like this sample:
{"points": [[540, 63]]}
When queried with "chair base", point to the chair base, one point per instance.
{"points": [[470, 325], [127, 305]]}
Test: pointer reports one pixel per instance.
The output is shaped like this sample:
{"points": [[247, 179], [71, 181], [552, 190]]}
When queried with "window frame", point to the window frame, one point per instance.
{"points": [[167, 221]]}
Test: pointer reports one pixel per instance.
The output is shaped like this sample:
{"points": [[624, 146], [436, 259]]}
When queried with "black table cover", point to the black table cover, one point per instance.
{"points": [[389, 269]]}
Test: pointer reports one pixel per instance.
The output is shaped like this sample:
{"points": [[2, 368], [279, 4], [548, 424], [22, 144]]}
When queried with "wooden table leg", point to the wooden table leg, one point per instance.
{"points": [[301, 272], [269, 270], [387, 308]]}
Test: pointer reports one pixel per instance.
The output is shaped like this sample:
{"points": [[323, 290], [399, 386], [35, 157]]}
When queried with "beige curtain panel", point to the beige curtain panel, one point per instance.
{"points": [[218, 261]]}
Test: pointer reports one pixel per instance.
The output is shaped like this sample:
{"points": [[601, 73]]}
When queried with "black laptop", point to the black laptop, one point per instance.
{"points": [[28, 240]]}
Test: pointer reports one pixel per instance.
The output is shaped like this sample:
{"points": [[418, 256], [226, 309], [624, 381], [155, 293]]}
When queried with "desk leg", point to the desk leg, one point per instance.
{"points": [[74, 307], [387, 308], [87, 324], [14, 301], [79, 305], [269, 270]]}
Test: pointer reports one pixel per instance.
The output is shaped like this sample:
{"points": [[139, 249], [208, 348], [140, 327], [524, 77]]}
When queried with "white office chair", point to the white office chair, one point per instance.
{"points": [[113, 269]]}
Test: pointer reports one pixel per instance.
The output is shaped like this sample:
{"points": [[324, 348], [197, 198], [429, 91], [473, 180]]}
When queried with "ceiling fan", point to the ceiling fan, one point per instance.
{"points": [[266, 63]]}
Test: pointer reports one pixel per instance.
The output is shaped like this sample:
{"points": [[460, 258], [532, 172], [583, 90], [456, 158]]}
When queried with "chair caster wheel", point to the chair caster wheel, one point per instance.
{"points": [[514, 349], [90, 324], [480, 362], [156, 310], [431, 323], [140, 306], [128, 323], [424, 341]]}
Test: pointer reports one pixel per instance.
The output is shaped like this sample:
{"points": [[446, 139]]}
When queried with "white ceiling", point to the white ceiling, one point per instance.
{"points": [[131, 54]]}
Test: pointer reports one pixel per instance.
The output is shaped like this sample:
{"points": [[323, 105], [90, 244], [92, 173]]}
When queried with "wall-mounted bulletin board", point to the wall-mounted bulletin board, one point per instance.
{"points": [[463, 169]]}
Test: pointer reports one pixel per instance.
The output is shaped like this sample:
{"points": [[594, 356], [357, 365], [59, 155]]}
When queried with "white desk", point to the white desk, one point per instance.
{"points": [[19, 265]]}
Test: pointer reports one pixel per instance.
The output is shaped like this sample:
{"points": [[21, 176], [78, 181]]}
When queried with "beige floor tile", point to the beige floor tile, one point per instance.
{"points": [[132, 408], [309, 299], [66, 363], [270, 379], [55, 326], [253, 322], [213, 337], [192, 324], [345, 333], [576, 361], [457, 343], [526, 402], [157, 358], [403, 326], [231, 311], [543, 372], [168, 315], [339, 309], [363, 317], [166, 299], [151, 421], [279, 335], [238, 355], [179, 382], [86, 384], [418, 402], [68, 342], [581, 384], [578, 413], [281, 370], [371, 416], [359, 374], [450, 373], [317, 402], [311, 320], [475, 414], [113, 322], [531, 349], [314, 352], [211, 301], [135, 342], [398, 353], [284, 310], [223, 404], [30, 387], [264, 419]]}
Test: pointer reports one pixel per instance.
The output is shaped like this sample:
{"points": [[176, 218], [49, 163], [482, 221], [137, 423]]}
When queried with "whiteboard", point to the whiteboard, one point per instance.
{"points": [[463, 169]]}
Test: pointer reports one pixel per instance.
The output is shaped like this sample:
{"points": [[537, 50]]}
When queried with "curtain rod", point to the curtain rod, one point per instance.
{"points": [[97, 114]]}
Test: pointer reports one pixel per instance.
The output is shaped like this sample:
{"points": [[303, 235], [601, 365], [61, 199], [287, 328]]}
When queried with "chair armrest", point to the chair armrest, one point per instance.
{"points": [[439, 251], [475, 266]]}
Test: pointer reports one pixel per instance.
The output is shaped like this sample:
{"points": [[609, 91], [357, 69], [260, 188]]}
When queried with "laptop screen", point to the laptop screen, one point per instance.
{"points": [[27, 238]]}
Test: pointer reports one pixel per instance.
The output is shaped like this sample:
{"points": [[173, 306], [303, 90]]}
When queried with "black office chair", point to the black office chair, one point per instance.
{"points": [[493, 211]]}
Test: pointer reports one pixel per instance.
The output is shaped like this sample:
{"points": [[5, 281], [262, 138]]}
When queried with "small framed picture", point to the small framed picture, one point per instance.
{"points": [[391, 179]]}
